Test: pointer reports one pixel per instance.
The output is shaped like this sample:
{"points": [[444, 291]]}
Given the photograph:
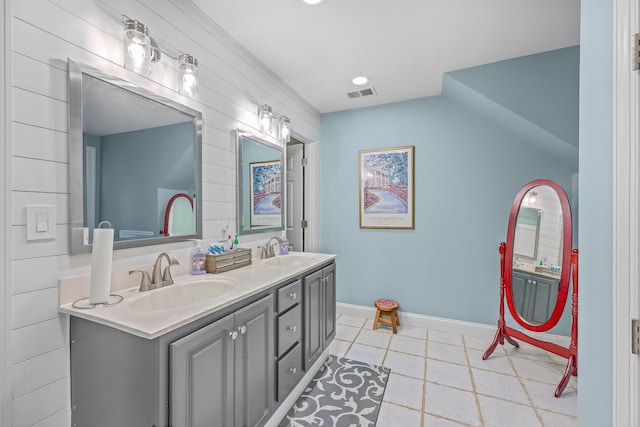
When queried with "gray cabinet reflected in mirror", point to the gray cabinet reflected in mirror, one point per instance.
{"points": [[134, 161], [261, 194]]}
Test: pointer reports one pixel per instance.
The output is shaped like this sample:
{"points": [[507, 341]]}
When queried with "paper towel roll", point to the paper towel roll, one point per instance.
{"points": [[101, 259]]}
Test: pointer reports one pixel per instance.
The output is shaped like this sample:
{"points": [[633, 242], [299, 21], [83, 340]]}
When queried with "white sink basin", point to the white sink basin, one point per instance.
{"points": [[287, 260], [181, 295]]}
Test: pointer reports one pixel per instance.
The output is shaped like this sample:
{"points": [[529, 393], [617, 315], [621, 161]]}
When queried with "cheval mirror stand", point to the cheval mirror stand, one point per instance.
{"points": [[535, 272]]}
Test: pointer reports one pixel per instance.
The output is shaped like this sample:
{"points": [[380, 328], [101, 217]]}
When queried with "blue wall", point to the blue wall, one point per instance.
{"points": [[542, 87], [595, 397], [134, 165], [467, 173]]}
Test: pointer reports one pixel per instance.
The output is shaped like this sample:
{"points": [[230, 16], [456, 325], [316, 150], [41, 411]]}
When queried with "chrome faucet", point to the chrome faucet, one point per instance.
{"points": [[164, 279]]}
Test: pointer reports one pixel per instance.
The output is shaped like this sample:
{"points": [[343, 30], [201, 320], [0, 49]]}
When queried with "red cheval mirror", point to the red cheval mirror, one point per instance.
{"points": [[537, 264]]}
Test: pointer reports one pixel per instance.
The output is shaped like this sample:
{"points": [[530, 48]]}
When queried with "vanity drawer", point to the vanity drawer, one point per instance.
{"points": [[289, 329], [289, 295], [289, 372]]}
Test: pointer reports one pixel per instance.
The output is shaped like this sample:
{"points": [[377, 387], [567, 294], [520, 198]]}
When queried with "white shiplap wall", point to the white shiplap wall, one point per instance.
{"points": [[550, 234], [44, 33]]}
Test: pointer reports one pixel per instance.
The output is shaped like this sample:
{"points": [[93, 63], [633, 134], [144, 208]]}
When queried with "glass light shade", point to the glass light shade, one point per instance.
{"points": [[188, 76], [265, 116], [137, 47], [285, 129]]}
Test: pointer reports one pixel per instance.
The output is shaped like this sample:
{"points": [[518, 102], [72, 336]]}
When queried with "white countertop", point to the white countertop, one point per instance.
{"points": [[243, 282], [531, 268]]}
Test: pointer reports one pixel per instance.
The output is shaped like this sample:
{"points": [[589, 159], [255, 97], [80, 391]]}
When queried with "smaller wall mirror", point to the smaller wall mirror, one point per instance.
{"points": [[261, 195], [131, 152]]}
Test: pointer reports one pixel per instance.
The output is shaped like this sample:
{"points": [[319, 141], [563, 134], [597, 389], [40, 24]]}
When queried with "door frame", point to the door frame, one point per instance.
{"points": [[291, 199], [310, 189], [626, 238]]}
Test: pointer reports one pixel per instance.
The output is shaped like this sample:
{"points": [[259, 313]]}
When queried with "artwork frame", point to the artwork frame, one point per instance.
{"points": [[386, 190], [265, 193]]}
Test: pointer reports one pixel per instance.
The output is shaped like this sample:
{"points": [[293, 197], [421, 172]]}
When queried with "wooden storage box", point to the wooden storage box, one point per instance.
{"points": [[228, 261]]}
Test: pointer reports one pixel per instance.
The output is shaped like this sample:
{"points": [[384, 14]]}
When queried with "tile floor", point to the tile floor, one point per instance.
{"points": [[439, 379]]}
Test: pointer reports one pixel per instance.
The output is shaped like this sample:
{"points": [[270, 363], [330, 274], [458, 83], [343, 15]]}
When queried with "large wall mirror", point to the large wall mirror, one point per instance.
{"points": [[135, 161], [261, 195], [537, 267]]}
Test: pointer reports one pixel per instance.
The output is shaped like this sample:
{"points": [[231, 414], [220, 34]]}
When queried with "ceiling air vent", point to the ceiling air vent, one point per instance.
{"points": [[357, 93]]}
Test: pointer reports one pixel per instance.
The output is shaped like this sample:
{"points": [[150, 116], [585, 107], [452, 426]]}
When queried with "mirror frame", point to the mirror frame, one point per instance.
{"points": [[238, 135], [76, 70], [565, 274]]}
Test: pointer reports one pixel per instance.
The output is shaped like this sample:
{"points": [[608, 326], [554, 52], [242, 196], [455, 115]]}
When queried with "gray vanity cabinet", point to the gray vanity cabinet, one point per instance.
{"points": [[534, 295], [229, 368], [319, 313], [202, 376], [222, 374], [289, 335]]}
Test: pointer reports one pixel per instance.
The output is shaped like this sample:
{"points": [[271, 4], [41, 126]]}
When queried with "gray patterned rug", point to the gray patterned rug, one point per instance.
{"points": [[344, 393]]}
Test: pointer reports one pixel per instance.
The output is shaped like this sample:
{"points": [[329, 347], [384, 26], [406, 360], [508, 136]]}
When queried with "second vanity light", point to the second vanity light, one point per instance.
{"points": [[140, 50], [265, 120]]}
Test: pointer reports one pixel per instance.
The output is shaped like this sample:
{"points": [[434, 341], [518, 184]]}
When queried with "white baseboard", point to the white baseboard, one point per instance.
{"points": [[479, 330]]}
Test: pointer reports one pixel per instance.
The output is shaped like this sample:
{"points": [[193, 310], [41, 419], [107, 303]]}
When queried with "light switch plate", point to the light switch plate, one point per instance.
{"points": [[41, 222]]}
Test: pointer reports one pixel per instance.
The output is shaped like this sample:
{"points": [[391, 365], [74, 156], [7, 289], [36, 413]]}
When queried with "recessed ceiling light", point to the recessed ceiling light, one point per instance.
{"points": [[360, 80], [312, 1]]}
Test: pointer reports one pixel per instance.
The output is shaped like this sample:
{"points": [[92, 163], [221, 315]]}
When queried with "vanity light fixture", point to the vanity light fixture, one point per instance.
{"points": [[188, 75], [312, 1], [265, 122], [140, 50], [285, 128], [265, 116]]}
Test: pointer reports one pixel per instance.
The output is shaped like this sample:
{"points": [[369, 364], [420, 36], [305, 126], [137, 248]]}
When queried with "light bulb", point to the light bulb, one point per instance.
{"points": [[136, 52]]}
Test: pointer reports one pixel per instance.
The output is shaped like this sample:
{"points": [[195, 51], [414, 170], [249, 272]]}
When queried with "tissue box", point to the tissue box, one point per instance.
{"points": [[230, 260]]}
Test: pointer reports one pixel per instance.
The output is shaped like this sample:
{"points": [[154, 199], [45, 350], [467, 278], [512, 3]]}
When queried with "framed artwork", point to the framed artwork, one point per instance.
{"points": [[386, 188], [266, 188]]}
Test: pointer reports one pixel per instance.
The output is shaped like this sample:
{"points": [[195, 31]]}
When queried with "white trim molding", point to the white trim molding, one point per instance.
{"points": [[626, 371], [478, 330]]}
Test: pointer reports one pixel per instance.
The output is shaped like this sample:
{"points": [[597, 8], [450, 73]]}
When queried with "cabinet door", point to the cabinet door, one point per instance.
{"points": [[329, 304], [254, 363], [312, 320], [546, 294], [202, 376], [518, 289]]}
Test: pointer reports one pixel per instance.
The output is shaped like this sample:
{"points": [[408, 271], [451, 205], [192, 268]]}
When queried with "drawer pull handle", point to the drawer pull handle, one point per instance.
{"points": [[233, 335], [292, 328], [293, 370], [242, 329], [293, 295]]}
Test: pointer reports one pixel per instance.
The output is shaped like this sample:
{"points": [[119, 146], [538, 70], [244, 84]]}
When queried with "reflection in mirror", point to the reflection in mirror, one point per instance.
{"points": [[131, 153], [537, 255], [260, 192]]}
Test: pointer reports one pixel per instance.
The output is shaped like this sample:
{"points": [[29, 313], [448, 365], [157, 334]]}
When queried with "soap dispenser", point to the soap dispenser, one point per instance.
{"points": [[284, 246], [198, 260]]}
